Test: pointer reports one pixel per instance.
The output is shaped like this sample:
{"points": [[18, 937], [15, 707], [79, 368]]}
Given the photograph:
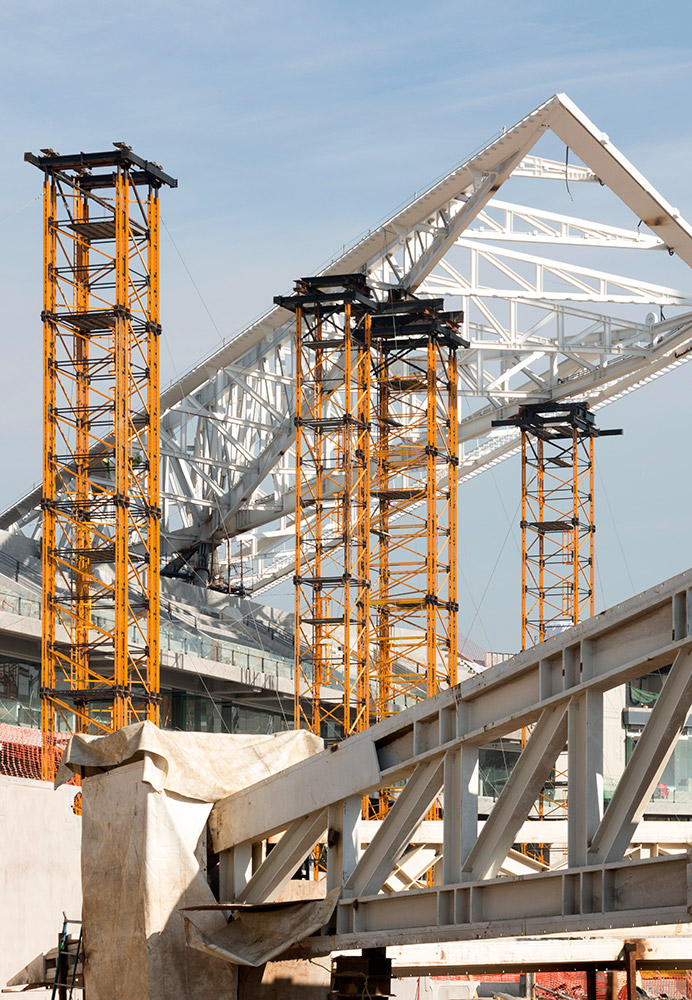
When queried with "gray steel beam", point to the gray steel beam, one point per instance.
{"points": [[281, 862], [633, 894], [390, 841], [528, 776], [629, 640], [644, 769]]}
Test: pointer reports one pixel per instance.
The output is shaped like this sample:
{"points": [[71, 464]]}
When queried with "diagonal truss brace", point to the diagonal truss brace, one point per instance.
{"points": [[280, 864], [644, 769], [528, 777], [425, 746]]}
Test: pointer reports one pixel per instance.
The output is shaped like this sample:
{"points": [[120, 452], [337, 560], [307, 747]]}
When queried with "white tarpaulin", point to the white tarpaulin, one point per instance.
{"points": [[147, 795], [256, 934], [204, 766]]}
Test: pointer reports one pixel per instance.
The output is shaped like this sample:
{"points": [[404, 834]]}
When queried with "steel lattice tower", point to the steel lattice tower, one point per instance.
{"points": [[557, 516], [375, 565], [100, 620], [332, 549], [558, 529], [414, 598]]}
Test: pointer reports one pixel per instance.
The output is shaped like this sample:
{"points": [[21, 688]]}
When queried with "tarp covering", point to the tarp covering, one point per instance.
{"points": [[204, 766], [147, 796], [255, 935]]}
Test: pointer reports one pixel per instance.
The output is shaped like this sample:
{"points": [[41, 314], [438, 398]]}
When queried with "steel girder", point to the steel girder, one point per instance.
{"points": [[540, 328], [559, 686]]}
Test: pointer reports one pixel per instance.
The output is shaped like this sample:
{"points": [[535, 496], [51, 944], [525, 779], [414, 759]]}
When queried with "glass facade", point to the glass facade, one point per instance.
{"points": [[20, 705], [20, 702], [495, 765], [675, 784], [176, 638], [184, 710]]}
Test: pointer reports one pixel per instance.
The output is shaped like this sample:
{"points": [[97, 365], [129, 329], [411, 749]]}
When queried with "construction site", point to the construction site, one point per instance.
{"points": [[210, 792]]}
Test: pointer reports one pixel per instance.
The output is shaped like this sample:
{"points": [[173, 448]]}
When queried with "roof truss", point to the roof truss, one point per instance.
{"points": [[541, 327]]}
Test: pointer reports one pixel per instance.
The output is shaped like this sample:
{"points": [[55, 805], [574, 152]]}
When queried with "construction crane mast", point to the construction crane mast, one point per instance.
{"points": [[101, 513]]}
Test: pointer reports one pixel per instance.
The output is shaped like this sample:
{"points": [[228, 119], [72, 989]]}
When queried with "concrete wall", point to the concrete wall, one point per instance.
{"points": [[40, 840], [297, 980]]}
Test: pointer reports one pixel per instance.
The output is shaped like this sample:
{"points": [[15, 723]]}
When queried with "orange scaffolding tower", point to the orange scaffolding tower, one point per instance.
{"points": [[100, 618], [375, 565], [414, 596], [557, 516], [332, 523]]}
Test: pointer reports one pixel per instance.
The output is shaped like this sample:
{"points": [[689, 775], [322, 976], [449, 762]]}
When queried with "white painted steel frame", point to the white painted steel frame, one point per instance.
{"points": [[558, 687], [540, 329]]}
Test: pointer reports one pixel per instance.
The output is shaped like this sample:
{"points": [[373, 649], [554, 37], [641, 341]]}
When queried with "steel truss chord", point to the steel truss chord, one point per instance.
{"points": [[100, 503]]}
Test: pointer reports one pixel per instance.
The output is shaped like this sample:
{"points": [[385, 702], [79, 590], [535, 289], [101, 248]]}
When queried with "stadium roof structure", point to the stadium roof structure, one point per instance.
{"points": [[541, 324]]}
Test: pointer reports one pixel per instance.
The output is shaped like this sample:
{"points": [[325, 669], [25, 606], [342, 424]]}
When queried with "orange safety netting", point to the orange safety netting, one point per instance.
{"points": [[674, 985], [20, 750]]}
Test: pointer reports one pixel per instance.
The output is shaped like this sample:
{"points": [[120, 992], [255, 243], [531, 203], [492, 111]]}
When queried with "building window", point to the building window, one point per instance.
{"points": [[645, 690], [675, 784], [197, 713], [495, 765], [20, 702]]}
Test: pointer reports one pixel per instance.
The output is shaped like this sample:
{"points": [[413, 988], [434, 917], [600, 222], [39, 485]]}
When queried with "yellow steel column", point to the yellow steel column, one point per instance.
{"points": [[362, 457], [122, 449], [346, 502], [575, 545], [153, 439], [453, 486], [48, 675], [431, 521], [541, 541], [592, 531], [82, 608], [331, 567], [319, 643], [383, 631], [100, 644], [297, 661], [524, 549]]}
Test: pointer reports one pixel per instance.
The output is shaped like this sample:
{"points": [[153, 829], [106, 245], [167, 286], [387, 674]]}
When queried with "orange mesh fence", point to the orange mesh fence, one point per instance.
{"points": [[671, 985], [20, 750], [674, 985], [572, 984]]}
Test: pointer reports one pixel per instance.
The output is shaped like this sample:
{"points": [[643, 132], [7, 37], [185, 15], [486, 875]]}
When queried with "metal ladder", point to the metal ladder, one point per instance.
{"points": [[67, 960]]}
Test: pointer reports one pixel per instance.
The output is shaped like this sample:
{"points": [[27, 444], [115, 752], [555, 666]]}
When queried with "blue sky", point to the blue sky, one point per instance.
{"points": [[294, 127]]}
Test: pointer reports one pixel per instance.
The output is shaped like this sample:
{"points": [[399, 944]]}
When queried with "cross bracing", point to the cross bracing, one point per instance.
{"points": [[542, 325], [559, 686]]}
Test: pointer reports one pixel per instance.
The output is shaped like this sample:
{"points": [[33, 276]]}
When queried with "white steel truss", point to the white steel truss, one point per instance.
{"points": [[433, 748], [541, 327]]}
